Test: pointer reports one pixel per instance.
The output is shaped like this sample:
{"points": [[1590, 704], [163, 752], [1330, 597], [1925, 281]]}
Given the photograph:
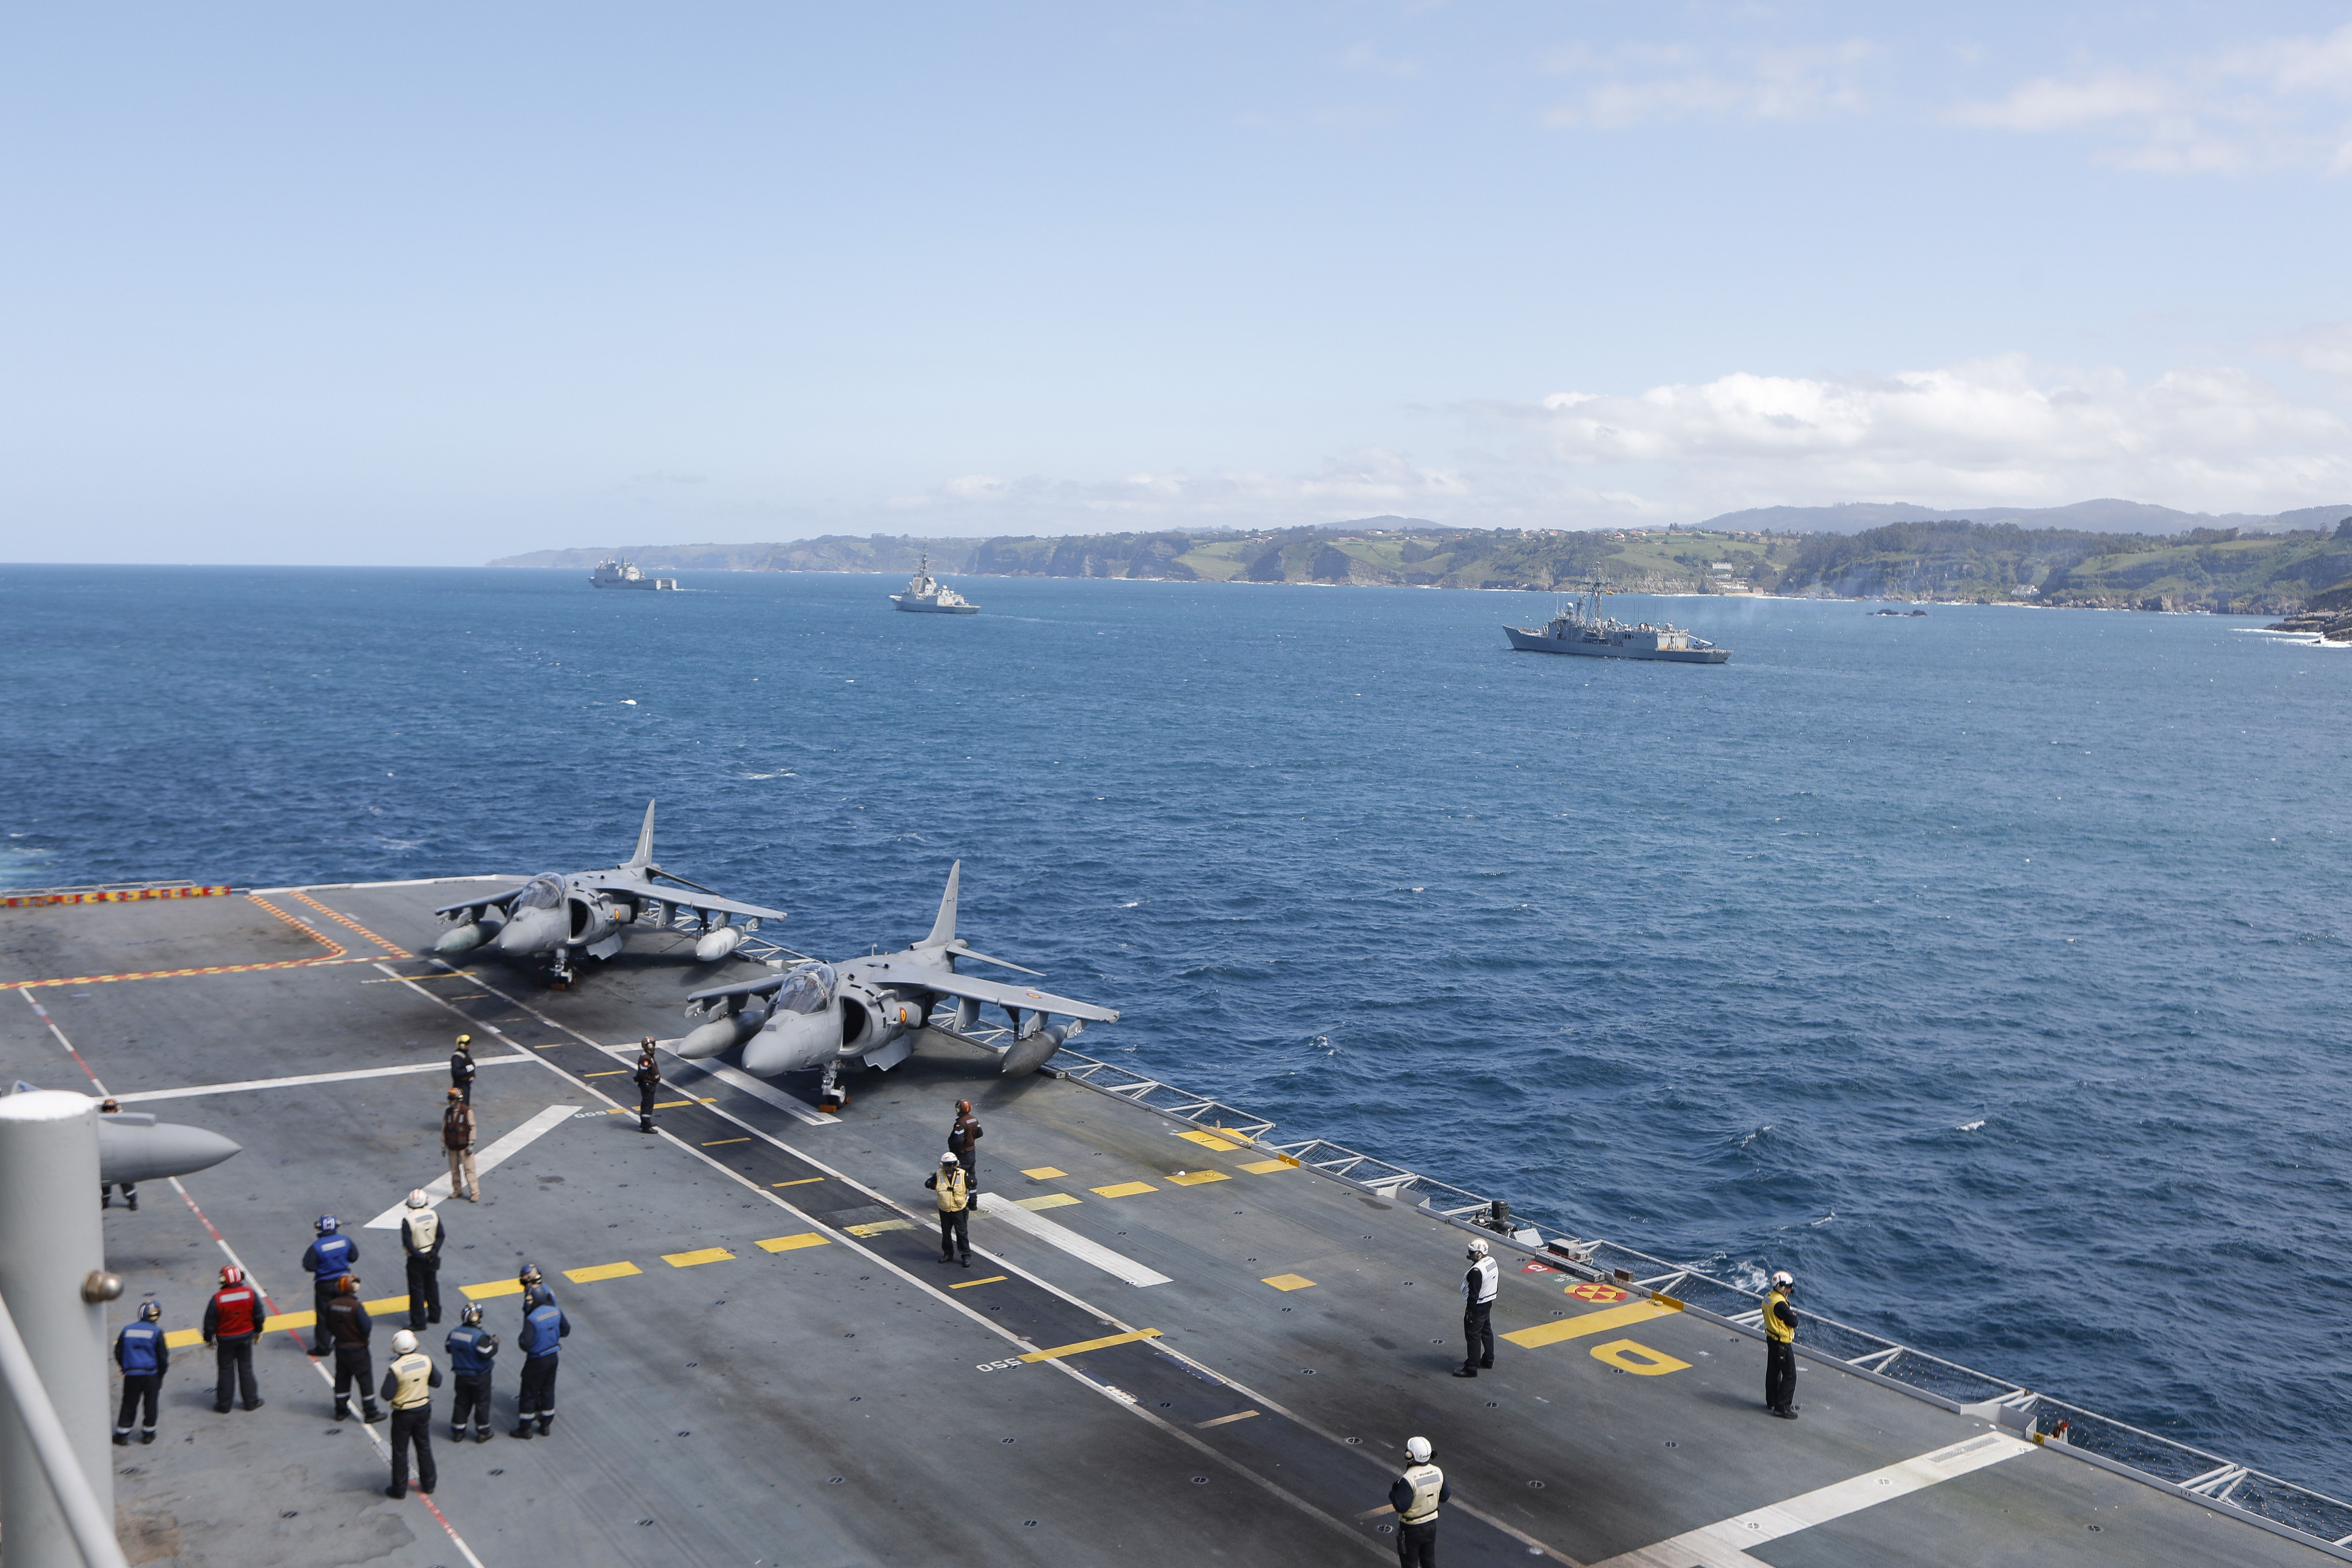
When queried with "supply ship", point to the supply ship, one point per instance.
{"points": [[614, 573], [1186, 1335], [927, 595], [1580, 628]]}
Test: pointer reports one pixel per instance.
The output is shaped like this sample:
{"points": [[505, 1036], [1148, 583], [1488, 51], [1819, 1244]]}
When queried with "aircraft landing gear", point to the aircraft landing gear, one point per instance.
{"points": [[559, 973], [829, 1096]]}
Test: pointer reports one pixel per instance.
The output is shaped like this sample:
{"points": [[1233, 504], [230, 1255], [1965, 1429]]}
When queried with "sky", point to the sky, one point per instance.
{"points": [[433, 284]]}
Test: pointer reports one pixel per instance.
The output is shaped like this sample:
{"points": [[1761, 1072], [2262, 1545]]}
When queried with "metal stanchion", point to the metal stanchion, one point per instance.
{"points": [[53, 1278]]}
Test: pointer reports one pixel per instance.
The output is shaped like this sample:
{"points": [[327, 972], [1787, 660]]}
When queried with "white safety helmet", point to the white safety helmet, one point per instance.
{"points": [[1417, 1450], [1783, 1280], [402, 1342], [417, 1200], [949, 1159], [1477, 1248]]}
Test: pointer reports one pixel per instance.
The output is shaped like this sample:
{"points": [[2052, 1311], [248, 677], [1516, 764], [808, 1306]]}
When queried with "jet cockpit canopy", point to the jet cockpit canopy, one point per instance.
{"points": [[808, 989], [544, 892]]}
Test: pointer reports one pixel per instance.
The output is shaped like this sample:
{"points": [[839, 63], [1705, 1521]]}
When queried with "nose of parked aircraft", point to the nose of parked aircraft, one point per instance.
{"points": [[533, 930], [793, 1041]]}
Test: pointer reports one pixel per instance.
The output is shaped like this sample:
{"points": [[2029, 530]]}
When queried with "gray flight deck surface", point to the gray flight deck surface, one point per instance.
{"points": [[842, 1397]]}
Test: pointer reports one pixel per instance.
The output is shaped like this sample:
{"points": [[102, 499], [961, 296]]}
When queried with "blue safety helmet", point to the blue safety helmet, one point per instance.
{"points": [[149, 1310], [329, 1224]]}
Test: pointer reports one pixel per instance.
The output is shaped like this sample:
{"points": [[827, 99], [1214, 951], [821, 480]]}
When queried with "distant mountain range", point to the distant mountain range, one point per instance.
{"points": [[2092, 553]]}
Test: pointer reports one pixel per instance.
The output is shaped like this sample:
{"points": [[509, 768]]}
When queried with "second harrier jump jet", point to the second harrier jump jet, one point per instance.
{"points": [[557, 914]]}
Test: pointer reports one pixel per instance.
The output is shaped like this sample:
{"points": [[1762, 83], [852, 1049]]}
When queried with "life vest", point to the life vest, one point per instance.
{"points": [[1779, 1332], [333, 1255], [1428, 1483], [470, 1350], [542, 1330], [952, 1193], [134, 1348], [236, 1313], [1480, 1281], [414, 1381], [962, 1136], [423, 1227]]}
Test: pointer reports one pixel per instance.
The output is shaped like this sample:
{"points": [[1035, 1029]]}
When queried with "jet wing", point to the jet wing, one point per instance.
{"points": [[979, 990], [644, 887], [495, 901], [764, 988]]}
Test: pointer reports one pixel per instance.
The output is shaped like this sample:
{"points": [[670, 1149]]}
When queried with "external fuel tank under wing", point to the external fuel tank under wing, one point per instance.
{"points": [[557, 914], [869, 1009]]}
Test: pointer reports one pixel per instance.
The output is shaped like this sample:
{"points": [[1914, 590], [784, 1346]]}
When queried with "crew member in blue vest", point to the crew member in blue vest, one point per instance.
{"points": [[544, 1328], [1415, 1497], [408, 1386], [326, 1260], [471, 1349], [144, 1358]]}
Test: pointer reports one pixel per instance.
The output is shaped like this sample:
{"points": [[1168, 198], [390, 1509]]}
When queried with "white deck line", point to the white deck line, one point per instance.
{"points": [[436, 1190], [299, 1080], [1723, 1544], [735, 1078], [1077, 1246]]}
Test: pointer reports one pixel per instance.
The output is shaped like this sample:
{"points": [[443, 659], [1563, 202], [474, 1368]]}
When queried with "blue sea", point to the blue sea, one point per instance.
{"points": [[1988, 968]]}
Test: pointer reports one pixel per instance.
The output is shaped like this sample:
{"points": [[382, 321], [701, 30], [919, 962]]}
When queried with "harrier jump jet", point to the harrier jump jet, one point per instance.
{"points": [[869, 1009], [558, 914]]}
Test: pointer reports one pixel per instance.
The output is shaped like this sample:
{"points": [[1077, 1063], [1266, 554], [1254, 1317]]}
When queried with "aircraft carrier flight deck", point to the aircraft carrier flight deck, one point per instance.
{"points": [[1175, 1344]]}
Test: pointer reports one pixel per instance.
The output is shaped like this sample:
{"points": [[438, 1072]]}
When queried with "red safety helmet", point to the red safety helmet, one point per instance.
{"points": [[232, 1275]]}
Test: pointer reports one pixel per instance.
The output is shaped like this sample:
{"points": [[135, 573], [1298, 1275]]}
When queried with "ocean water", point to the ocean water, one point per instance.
{"points": [[1988, 968]]}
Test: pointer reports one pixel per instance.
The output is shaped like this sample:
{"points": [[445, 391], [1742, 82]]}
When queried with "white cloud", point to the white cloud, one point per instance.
{"points": [[1638, 83], [2277, 103]]}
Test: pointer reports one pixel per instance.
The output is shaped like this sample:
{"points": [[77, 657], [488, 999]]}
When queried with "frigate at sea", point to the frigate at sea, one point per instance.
{"points": [[927, 595], [1580, 626], [1187, 1335]]}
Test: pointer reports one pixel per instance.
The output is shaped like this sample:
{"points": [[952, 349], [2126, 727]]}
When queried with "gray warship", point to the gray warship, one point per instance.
{"points": [[614, 573], [927, 595], [1580, 628]]}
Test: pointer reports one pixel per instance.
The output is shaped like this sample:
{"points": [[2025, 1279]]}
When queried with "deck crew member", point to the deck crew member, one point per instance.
{"points": [[461, 1075], [233, 1321], [106, 1189], [1781, 1347], [408, 1386], [648, 1079], [457, 1138], [1479, 1283], [348, 1323], [421, 1236], [955, 1224], [963, 1143], [544, 1328], [471, 1349], [144, 1358], [1415, 1497], [328, 1259]]}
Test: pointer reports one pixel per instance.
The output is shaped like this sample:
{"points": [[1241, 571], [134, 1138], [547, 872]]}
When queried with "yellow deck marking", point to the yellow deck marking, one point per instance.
{"points": [[1124, 1190], [1222, 1420], [1268, 1167], [1205, 1142], [794, 1243], [1586, 1323], [799, 1182], [1629, 1355], [1048, 1201], [1084, 1345], [277, 1320], [968, 1284], [716, 1142], [703, 1255], [610, 1072], [495, 1288], [1194, 1178], [602, 1271], [180, 1339], [876, 1227], [1288, 1281], [387, 1304], [1044, 1173]]}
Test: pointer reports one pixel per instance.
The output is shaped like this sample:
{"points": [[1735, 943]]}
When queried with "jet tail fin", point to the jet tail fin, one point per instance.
{"points": [[943, 927], [644, 854]]}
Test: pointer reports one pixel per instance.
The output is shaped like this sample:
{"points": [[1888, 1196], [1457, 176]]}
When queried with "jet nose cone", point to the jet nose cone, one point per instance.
{"points": [[150, 1154], [793, 1041], [540, 930]]}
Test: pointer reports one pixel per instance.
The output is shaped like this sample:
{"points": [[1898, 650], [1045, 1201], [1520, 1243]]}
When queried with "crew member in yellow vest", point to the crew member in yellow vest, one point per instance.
{"points": [[421, 1236], [408, 1386], [1781, 1347], [1415, 1497], [955, 1197]]}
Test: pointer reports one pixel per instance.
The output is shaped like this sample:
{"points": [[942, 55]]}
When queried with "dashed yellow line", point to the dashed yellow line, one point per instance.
{"points": [[1044, 1173], [1194, 1178], [797, 1182], [602, 1271], [1084, 1345], [700, 1255], [1269, 1167], [1289, 1282], [1125, 1189], [968, 1284], [714, 1142], [794, 1243], [1048, 1201]]}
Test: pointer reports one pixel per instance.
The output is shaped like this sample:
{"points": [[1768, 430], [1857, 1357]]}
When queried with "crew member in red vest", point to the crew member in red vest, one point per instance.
{"points": [[233, 1321]]}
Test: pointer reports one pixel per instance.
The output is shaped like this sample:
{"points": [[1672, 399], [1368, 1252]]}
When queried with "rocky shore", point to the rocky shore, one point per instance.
{"points": [[2335, 625]]}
